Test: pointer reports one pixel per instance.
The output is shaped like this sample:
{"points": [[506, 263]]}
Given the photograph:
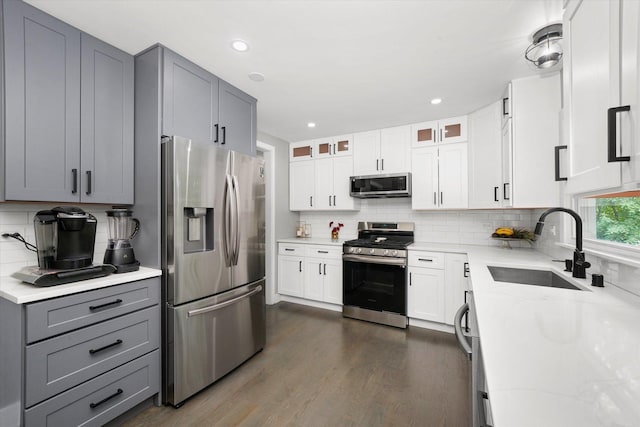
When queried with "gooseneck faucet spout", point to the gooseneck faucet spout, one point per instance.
{"points": [[579, 264]]}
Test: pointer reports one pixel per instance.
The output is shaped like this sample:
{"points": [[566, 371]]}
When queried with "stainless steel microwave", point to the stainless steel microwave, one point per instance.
{"points": [[380, 186]]}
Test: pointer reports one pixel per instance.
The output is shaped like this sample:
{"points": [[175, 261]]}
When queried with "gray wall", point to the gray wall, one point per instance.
{"points": [[285, 219]]}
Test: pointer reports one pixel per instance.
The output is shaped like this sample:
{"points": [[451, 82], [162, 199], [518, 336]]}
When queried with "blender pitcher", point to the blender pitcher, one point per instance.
{"points": [[122, 228]]}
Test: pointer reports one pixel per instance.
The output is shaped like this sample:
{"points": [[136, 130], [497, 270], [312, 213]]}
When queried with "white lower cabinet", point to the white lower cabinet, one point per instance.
{"points": [[437, 282], [312, 272], [425, 296]]}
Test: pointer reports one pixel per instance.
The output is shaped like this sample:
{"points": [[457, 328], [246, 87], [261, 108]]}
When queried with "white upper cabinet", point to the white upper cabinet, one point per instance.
{"points": [[332, 184], [439, 132], [382, 151], [336, 146], [395, 150], [601, 93], [303, 150], [485, 153], [512, 159], [439, 177], [301, 185]]}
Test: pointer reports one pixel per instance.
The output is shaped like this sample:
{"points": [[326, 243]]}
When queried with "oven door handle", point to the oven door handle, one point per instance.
{"points": [[401, 262], [457, 326]]}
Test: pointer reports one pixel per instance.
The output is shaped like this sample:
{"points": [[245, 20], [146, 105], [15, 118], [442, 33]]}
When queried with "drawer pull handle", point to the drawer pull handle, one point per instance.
{"points": [[323, 252], [289, 249], [98, 307], [106, 399], [97, 350], [425, 259]]}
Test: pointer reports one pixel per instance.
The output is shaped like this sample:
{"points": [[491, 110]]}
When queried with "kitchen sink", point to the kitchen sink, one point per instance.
{"points": [[530, 277]]}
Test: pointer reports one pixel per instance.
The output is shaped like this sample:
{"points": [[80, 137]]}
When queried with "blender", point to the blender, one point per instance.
{"points": [[122, 228]]}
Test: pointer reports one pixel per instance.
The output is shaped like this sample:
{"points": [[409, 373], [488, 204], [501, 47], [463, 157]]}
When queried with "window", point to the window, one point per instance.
{"points": [[612, 218]]}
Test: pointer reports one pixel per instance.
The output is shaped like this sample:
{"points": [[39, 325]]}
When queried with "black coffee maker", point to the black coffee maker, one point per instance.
{"points": [[65, 238]]}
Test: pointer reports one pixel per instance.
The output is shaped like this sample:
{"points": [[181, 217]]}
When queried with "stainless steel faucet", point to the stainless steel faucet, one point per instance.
{"points": [[579, 264]]}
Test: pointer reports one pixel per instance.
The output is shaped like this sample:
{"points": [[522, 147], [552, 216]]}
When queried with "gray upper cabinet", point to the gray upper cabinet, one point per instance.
{"points": [[190, 102], [237, 119], [68, 112], [198, 105], [106, 123], [42, 92]]}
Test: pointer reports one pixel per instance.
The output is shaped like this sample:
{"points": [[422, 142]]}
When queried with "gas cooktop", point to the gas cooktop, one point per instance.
{"points": [[381, 238]]}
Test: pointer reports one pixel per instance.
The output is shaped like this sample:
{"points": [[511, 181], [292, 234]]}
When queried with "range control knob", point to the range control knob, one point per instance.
{"points": [[394, 253], [372, 251], [359, 250], [385, 252], [352, 250]]}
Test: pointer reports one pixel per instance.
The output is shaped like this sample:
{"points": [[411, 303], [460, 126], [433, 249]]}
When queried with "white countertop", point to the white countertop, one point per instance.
{"points": [[21, 293], [439, 247], [313, 241], [556, 357]]}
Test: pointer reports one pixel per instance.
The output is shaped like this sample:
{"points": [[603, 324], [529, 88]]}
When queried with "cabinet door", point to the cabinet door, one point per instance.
{"points": [[485, 177], [505, 105], [366, 153], [453, 130], [591, 86], [323, 183], [190, 100], [106, 123], [425, 298], [313, 279], [395, 149], [332, 272], [342, 145], [424, 134], [300, 151], [323, 148], [301, 185], [424, 178], [456, 283], [342, 171], [42, 106], [290, 275], [630, 92], [453, 176], [237, 119], [507, 164]]}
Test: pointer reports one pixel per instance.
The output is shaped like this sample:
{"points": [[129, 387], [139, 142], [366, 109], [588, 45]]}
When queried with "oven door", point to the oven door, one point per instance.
{"points": [[375, 283]]}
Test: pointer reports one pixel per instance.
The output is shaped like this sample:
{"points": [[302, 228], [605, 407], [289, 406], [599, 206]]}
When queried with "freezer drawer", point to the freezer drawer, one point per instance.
{"points": [[209, 338]]}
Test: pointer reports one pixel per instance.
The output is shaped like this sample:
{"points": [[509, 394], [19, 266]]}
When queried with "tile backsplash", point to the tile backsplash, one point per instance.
{"points": [[462, 227], [18, 218]]}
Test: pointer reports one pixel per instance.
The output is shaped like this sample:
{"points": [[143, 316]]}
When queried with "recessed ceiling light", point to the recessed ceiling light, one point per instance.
{"points": [[256, 77], [240, 45], [311, 125], [436, 101]]}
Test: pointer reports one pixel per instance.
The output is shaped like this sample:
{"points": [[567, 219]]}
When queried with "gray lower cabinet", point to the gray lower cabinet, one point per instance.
{"points": [[81, 359], [198, 105], [68, 112]]}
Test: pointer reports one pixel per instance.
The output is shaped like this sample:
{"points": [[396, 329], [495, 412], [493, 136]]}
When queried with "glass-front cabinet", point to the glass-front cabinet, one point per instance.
{"points": [[335, 146], [439, 132], [303, 150]]}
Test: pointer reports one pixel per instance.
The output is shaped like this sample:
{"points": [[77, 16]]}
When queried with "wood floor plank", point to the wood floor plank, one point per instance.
{"points": [[320, 369]]}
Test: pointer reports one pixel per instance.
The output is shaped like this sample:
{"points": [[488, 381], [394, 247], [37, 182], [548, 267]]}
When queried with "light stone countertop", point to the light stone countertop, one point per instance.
{"points": [[313, 241], [556, 357], [20, 293]]}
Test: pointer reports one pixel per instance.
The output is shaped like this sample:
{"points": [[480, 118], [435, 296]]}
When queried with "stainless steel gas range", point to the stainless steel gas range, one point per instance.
{"points": [[374, 282]]}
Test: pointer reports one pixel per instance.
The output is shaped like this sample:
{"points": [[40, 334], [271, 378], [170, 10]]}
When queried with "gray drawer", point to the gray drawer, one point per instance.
{"points": [[100, 400], [56, 316], [57, 364]]}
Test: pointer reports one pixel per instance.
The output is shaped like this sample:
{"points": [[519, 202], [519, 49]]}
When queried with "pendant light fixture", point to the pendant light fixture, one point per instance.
{"points": [[545, 51]]}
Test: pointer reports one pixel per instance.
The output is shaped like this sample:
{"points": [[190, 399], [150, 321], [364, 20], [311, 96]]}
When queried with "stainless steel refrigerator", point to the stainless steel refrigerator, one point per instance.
{"points": [[213, 263]]}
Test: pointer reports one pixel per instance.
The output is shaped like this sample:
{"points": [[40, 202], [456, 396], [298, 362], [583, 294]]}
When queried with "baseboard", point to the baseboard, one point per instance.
{"points": [[311, 303], [431, 325]]}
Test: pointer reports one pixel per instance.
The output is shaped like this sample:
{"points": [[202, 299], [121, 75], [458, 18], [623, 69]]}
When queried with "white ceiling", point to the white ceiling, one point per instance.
{"points": [[347, 65]]}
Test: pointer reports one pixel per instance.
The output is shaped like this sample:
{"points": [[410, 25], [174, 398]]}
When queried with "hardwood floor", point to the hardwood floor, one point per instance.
{"points": [[320, 369]]}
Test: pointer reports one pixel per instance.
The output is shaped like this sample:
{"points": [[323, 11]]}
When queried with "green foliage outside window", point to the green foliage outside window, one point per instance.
{"points": [[618, 219]]}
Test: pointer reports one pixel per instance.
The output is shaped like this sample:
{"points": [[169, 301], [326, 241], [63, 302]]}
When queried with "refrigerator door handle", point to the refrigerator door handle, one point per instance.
{"points": [[223, 304], [236, 228], [228, 225]]}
